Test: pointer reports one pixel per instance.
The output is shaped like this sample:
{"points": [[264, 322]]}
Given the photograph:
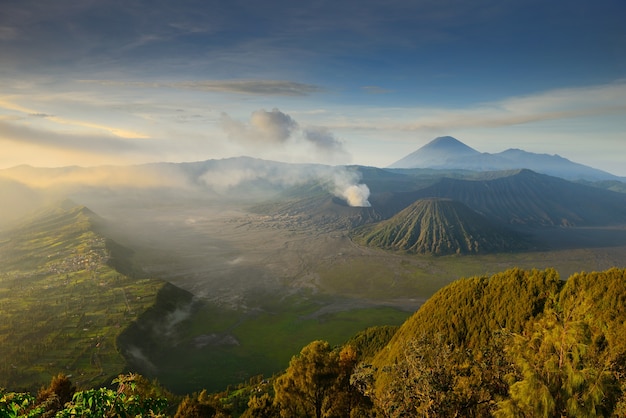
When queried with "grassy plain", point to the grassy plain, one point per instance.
{"points": [[216, 346]]}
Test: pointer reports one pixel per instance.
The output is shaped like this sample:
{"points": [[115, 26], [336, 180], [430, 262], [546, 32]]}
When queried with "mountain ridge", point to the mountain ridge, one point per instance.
{"points": [[533, 199], [450, 153]]}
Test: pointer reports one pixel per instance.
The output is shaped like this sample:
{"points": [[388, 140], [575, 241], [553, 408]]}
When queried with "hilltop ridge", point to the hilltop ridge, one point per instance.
{"points": [[66, 306]]}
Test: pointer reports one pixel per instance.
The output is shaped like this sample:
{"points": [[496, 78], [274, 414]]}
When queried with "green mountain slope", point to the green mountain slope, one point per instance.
{"points": [[532, 199], [439, 226], [62, 305], [549, 331]]}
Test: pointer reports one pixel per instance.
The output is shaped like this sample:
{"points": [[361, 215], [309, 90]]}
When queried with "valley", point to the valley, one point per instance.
{"points": [[236, 278], [264, 287]]}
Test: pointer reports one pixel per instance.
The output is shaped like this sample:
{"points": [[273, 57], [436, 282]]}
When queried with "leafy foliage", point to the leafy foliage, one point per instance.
{"points": [[123, 402], [432, 378], [370, 341], [562, 373], [317, 383], [519, 343], [530, 346]]}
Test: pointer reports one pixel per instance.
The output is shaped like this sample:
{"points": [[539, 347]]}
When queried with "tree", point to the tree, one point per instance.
{"points": [[261, 407], [433, 378], [306, 388], [347, 400], [563, 368], [200, 405], [56, 395]]}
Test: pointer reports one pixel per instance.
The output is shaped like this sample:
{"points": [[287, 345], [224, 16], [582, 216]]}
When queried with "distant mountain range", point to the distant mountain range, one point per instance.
{"points": [[421, 210], [448, 153]]}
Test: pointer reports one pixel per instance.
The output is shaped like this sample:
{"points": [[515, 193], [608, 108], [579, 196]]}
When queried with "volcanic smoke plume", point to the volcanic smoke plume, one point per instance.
{"points": [[346, 186]]}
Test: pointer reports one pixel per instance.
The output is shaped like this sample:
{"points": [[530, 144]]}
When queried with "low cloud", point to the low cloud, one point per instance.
{"points": [[341, 181]]}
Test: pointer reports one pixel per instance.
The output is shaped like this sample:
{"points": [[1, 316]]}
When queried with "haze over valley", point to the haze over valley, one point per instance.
{"points": [[328, 209], [251, 239]]}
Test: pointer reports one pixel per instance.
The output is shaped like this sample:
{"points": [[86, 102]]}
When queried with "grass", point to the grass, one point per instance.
{"points": [[62, 306], [252, 343], [383, 275]]}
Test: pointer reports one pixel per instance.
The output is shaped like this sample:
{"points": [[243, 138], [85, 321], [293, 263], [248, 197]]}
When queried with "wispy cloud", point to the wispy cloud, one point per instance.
{"points": [[376, 90], [21, 134], [7, 104], [253, 87], [570, 103]]}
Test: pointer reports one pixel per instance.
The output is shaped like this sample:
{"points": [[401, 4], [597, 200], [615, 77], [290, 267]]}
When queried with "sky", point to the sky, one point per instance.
{"points": [[95, 82]]}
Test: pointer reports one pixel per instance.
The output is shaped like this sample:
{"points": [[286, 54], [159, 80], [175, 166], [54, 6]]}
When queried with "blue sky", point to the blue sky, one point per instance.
{"points": [[95, 82]]}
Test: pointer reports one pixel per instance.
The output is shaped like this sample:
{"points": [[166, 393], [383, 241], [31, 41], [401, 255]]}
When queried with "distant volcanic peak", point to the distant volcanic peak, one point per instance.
{"points": [[440, 226], [448, 143], [438, 152]]}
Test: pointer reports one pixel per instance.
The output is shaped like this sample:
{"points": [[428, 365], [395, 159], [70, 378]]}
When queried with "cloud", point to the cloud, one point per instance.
{"points": [[276, 128], [264, 128], [119, 132], [136, 176], [260, 87], [376, 90], [253, 87], [70, 141], [558, 104], [324, 140]]}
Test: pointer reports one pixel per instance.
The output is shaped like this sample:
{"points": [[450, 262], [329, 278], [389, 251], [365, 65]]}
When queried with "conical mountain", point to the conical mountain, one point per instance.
{"points": [[440, 226], [448, 153], [437, 152]]}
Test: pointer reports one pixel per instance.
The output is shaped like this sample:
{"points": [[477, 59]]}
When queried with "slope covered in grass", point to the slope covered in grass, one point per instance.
{"points": [[62, 304]]}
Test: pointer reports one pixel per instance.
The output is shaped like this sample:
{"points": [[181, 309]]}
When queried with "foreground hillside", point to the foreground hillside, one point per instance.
{"points": [[521, 343], [62, 303]]}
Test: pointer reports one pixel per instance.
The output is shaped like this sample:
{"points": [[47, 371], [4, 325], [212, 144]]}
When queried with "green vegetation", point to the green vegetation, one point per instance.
{"points": [[62, 305], [133, 397], [516, 344], [519, 343], [213, 347]]}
